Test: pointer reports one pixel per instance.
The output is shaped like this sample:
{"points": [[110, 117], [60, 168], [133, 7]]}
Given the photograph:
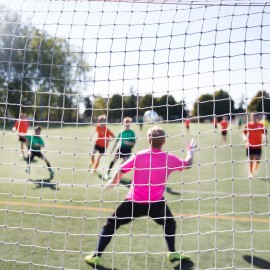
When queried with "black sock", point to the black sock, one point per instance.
{"points": [[111, 165], [104, 239]]}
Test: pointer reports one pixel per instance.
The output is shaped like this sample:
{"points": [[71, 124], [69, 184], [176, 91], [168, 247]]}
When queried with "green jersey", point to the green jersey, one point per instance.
{"points": [[127, 136], [34, 142]]}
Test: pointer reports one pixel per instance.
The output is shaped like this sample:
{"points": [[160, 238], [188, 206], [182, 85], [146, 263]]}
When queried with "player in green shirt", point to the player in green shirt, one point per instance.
{"points": [[34, 144], [127, 140]]}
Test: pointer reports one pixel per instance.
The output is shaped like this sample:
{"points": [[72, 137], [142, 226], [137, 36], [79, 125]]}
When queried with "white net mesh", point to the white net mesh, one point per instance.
{"points": [[178, 64]]}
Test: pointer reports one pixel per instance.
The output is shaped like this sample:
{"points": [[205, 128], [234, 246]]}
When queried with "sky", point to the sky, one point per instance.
{"points": [[179, 49]]}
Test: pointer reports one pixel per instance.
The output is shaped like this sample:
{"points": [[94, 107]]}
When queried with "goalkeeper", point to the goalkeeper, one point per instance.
{"points": [[34, 144], [127, 140], [151, 168]]}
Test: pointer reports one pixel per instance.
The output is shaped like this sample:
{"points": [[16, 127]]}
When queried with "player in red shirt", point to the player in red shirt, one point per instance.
{"points": [[102, 141], [21, 126], [187, 124], [224, 128], [253, 134]]}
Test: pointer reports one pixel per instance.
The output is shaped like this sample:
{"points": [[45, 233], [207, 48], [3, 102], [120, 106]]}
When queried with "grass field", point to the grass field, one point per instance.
{"points": [[222, 215]]}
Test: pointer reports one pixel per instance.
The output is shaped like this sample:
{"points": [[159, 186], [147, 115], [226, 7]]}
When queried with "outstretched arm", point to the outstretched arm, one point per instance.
{"points": [[191, 148], [189, 160]]}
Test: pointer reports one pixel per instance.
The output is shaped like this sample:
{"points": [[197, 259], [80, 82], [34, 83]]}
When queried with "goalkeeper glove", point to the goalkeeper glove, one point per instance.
{"points": [[192, 147]]}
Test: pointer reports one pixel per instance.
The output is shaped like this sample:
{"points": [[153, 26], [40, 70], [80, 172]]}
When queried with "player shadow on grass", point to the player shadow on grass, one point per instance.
{"points": [[169, 190], [45, 183], [124, 181], [257, 262], [184, 265], [102, 268]]}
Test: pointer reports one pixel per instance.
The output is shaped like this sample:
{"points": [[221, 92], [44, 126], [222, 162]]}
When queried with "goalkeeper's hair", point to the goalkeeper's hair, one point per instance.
{"points": [[156, 136]]}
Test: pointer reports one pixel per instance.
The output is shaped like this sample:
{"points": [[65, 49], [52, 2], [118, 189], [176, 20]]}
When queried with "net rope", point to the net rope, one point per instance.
{"points": [[65, 63]]}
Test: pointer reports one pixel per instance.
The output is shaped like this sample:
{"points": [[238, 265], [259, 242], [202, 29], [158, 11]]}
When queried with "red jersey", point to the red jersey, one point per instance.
{"points": [[187, 122], [103, 135], [22, 125], [224, 124], [254, 132]]}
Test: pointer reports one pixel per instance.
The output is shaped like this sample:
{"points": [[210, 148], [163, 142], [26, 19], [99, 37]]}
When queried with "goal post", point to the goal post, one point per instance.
{"points": [[197, 69]]}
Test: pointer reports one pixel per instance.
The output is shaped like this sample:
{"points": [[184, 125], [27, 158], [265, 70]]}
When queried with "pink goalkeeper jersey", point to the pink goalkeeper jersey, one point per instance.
{"points": [[151, 170]]}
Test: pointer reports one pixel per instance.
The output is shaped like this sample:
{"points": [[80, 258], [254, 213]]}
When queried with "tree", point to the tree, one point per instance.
{"points": [[203, 106], [260, 102], [116, 106], [100, 106], [218, 104], [146, 103], [131, 105], [38, 73], [223, 103], [88, 108], [169, 109]]}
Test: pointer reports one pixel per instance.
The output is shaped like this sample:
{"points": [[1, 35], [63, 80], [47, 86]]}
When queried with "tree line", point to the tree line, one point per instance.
{"points": [[41, 75], [119, 106], [206, 106], [221, 103]]}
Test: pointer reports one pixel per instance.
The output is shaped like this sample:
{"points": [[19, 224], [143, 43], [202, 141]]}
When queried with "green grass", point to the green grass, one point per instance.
{"points": [[222, 215]]}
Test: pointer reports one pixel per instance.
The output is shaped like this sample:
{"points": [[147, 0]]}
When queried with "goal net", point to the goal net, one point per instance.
{"points": [[197, 69]]}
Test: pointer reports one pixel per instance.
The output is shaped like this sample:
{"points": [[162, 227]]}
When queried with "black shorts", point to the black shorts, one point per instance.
{"points": [[100, 149], [34, 153], [254, 152], [129, 210], [22, 138], [124, 152], [224, 132]]}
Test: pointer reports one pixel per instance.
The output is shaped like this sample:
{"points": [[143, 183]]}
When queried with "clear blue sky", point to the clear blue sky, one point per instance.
{"points": [[162, 49]]}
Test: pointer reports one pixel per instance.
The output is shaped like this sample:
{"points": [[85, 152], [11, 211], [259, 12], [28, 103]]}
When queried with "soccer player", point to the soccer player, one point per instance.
{"points": [[102, 141], [240, 121], [253, 134], [151, 168], [187, 124], [127, 140], [224, 129], [22, 125], [35, 143]]}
